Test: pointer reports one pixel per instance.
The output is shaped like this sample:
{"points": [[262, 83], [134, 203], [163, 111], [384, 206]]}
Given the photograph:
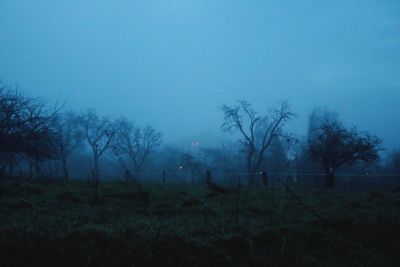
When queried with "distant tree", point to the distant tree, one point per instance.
{"points": [[305, 164], [318, 116], [275, 158], [40, 146], [25, 126], [99, 132], [9, 162], [69, 137], [135, 143], [169, 160], [190, 164], [393, 165], [225, 160], [393, 161], [333, 145], [257, 131]]}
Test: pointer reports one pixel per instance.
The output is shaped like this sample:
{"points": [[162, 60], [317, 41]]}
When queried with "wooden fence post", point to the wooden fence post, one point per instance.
{"points": [[264, 178], [164, 177]]}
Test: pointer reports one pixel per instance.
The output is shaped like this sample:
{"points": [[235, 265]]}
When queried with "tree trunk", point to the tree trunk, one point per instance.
{"points": [[30, 169], [96, 175], [127, 175], [264, 178], [38, 170], [250, 178], [193, 178], [65, 169], [164, 177], [63, 155], [96, 169], [329, 177], [208, 178]]}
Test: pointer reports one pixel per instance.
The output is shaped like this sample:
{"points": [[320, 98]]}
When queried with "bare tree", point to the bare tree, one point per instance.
{"points": [[191, 164], [225, 160], [393, 165], [26, 126], [99, 132], [135, 143], [69, 136], [257, 131], [393, 161], [333, 145]]}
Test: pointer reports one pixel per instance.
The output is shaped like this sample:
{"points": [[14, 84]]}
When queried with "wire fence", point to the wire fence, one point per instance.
{"points": [[281, 174], [232, 179], [305, 180]]}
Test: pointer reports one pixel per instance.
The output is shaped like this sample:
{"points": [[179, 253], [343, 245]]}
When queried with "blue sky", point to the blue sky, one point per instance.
{"points": [[173, 63]]}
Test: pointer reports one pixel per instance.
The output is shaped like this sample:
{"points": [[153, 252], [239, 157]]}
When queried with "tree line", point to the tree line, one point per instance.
{"points": [[34, 134]]}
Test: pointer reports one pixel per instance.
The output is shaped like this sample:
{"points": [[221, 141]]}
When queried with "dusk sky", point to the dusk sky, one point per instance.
{"points": [[172, 64]]}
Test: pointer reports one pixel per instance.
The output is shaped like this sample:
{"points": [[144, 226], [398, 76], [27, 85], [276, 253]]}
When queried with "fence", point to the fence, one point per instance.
{"points": [[274, 179], [307, 180]]}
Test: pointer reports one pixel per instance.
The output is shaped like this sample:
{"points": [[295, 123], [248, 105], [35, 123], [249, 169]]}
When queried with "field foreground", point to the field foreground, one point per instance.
{"points": [[61, 224]]}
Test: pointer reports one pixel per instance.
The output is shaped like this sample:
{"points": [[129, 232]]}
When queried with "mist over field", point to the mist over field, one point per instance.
{"points": [[172, 64], [199, 133]]}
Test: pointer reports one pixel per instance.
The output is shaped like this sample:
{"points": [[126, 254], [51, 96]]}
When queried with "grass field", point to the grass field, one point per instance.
{"points": [[60, 224]]}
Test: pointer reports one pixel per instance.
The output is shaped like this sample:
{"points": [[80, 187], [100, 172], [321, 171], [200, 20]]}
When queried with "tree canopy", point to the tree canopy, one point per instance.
{"points": [[333, 145]]}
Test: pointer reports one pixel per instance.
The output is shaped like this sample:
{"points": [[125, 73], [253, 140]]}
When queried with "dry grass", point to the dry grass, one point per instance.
{"points": [[59, 224]]}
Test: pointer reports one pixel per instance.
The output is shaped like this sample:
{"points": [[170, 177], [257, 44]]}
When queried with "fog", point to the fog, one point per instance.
{"points": [[173, 64], [199, 133]]}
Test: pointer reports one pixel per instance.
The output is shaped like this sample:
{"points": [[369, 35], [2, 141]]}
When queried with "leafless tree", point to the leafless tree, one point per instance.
{"points": [[333, 145], [257, 131], [393, 166], [135, 143], [190, 164], [225, 160], [69, 136], [99, 132], [26, 126], [393, 161]]}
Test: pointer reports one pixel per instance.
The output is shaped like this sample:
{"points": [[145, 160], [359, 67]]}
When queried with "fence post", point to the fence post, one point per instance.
{"points": [[264, 178]]}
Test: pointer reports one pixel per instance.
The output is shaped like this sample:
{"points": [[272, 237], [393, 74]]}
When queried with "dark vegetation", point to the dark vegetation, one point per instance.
{"points": [[59, 224], [271, 198]]}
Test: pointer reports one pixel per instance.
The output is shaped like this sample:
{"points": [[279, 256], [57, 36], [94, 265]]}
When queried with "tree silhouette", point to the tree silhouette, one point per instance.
{"points": [[26, 127], [257, 131], [333, 145], [99, 132], [135, 143]]}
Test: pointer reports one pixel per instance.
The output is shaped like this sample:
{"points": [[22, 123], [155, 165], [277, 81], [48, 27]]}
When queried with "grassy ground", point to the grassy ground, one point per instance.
{"points": [[60, 224]]}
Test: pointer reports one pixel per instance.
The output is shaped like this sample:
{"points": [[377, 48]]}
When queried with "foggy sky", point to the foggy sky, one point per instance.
{"points": [[173, 63]]}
